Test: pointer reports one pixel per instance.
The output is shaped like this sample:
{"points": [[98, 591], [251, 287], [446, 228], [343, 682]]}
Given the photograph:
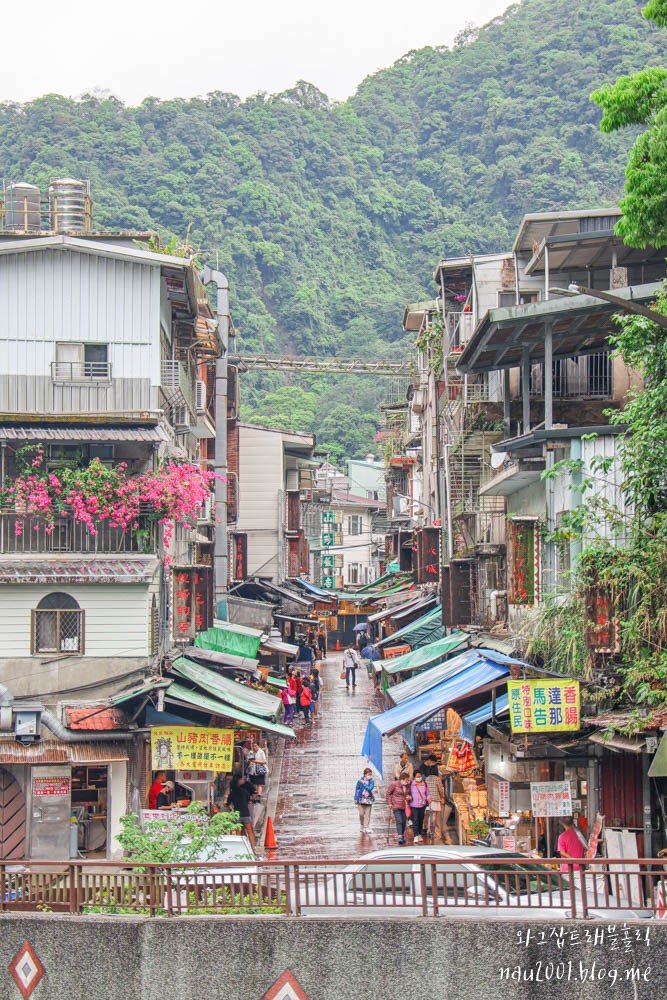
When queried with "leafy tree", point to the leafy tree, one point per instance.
{"points": [[162, 841]]}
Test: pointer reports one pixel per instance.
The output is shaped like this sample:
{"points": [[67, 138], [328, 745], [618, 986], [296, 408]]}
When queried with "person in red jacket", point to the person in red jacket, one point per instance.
{"points": [[156, 788]]}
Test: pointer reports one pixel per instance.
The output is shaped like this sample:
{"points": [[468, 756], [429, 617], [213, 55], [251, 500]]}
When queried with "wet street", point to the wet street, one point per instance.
{"points": [[315, 815]]}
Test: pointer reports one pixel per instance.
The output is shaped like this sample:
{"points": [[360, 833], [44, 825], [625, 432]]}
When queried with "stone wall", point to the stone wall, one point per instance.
{"points": [[240, 958]]}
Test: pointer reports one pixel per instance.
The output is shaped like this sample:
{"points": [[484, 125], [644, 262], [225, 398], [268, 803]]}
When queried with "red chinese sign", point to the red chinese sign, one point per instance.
{"points": [[193, 602], [60, 785], [603, 627], [239, 558]]}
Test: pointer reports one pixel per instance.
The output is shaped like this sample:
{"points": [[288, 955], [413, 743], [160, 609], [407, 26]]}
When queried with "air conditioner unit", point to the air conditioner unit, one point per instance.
{"points": [[200, 396]]}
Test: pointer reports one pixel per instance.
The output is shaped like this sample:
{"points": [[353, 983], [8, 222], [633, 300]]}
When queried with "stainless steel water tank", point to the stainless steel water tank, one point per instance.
{"points": [[21, 208], [68, 205]]}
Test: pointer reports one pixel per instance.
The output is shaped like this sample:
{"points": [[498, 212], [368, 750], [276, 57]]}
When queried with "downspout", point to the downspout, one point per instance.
{"points": [[90, 736], [220, 549]]}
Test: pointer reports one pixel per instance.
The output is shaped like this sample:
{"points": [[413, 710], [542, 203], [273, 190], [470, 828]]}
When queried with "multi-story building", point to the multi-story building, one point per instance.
{"points": [[106, 353], [346, 535]]}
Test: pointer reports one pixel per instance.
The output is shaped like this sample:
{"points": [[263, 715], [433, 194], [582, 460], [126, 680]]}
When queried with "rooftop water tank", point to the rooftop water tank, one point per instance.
{"points": [[70, 206], [21, 208]]}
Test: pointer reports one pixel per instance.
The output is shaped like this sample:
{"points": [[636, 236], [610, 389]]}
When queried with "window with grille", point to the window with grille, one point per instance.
{"points": [[354, 573], [76, 361], [57, 625]]}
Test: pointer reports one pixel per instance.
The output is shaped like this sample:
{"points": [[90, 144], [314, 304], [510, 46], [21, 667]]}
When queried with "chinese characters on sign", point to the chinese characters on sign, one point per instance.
{"points": [[503, 798], [192, 607], [544, 706], [550, 798], [183, 748], [240, 556], [59, 785], [524, 539]]}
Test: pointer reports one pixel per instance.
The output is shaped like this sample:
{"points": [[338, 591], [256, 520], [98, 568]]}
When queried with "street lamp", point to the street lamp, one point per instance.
{"points": [[627, 305]]}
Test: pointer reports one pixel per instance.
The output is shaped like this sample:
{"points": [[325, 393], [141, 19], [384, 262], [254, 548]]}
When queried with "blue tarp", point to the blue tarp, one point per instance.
{"points": [[472, 720], [312, 589], [486, 670], [439, 672]]}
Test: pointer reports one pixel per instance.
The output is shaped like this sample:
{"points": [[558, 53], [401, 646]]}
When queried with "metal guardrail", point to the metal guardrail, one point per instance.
{"points": [[24, 535], [479, 888], [80, 371]]}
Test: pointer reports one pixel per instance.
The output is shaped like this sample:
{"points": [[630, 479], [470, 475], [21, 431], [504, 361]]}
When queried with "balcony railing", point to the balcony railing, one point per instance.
{"points": [[80, 371], [30, 536]]}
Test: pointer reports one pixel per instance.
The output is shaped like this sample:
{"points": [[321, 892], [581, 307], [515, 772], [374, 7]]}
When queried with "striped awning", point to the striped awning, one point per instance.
{"points": [[58, 752]]}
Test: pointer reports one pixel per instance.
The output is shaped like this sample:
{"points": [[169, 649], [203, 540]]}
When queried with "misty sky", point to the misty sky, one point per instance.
{"points": [[140, 48]]}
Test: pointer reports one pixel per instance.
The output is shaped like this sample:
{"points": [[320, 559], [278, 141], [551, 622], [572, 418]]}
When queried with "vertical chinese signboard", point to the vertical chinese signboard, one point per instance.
{"points": [[544, 706], [603, 627], [239, 560], [524, 567], [183, 748], [327, 540], [428, 555], [192, 601]]}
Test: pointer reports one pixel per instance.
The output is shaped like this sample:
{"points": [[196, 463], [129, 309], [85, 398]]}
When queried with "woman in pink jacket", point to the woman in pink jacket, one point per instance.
{"points": [[419, 798], [396, 798]]}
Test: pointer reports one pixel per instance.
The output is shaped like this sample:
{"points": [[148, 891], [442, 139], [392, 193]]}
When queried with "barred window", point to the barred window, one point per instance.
{"points": [[57, 625]]}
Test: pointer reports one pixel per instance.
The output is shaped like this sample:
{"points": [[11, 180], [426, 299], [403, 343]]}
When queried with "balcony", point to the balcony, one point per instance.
{"points": [[80, 371], [71, 536], [177, 384]]}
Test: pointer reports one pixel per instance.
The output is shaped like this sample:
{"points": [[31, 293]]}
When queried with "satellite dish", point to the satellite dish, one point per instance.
{"points": [[497, 459]]}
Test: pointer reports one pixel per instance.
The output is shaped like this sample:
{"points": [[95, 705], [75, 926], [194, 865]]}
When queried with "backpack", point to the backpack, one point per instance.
{"points": [[306, 697]]}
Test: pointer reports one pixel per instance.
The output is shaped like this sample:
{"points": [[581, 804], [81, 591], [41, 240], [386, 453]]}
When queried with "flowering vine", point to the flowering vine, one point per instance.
{"points": [[174, 493]]}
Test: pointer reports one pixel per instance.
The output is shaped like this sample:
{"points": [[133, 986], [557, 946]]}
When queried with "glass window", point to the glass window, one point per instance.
{"points": [[57, 625]]}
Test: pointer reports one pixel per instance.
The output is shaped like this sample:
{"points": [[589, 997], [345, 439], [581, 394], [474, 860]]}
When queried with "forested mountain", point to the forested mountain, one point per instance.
{"points": [[327, 217]]}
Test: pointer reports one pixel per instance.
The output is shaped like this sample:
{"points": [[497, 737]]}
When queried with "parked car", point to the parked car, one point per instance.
{"points": [[198, 885], [396, 881]]}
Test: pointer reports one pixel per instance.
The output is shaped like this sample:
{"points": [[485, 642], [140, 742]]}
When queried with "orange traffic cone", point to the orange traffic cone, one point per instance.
{"points": [[337, 645], [269, 836]]}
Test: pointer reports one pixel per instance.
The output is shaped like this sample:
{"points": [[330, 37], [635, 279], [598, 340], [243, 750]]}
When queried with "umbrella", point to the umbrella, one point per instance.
{"points": [[361, 627]]}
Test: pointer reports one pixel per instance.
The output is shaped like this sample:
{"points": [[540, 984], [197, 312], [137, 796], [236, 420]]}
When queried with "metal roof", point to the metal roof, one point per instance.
{"points": [[179, 695], [57, 752], [580, 324], [581, 251], [539, 225], [59, 570], [80, 432], [239, 696]]}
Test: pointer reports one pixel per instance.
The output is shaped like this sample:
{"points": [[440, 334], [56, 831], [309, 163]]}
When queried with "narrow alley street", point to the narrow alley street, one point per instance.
{"points": [[315, 815]]}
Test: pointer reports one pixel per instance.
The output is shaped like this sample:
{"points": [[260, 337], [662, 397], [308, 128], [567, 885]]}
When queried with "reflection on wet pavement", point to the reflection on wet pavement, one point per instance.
{"points": [[316, 816]]}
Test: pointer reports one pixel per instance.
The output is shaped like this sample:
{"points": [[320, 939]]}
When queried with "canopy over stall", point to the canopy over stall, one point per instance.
{"points": [[241, 696], [472, 720], [482, 675], [224, 637], [428, 655], [176, 694], [440, 672], [428, 628]]}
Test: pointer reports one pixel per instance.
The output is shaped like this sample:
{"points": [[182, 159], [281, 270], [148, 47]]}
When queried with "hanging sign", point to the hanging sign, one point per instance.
{"points": [[544, 706], [328, 562], [550, 798], [328, 538], [328, 517], [185, 748]]}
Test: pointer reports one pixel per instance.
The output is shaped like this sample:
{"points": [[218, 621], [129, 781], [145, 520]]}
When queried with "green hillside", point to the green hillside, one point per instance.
{"points": [[328, 217]]}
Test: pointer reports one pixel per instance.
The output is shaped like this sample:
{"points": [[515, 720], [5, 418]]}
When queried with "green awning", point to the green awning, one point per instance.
{"points": [[228, 638], [276, 682], [138, 692], [390, 579], [428, 628], [658, 768], [211, 706], [428, 655], [241, 696]]}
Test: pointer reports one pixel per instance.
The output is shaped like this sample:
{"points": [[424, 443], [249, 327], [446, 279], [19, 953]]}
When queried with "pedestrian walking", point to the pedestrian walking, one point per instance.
{"points": [[419, 798], [316, 688], [259, 768], [289, 701], [396, 798], [306, 700], [241, 793], [364, 797], [322, 643], [305, 654], [350, 663]]}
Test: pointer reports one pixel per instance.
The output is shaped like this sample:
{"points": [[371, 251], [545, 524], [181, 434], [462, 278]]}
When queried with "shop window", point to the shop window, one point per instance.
{"points": [[57, 625]]}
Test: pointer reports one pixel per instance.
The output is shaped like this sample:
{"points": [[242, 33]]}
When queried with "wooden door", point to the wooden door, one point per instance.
{"points": [[12, 818]]}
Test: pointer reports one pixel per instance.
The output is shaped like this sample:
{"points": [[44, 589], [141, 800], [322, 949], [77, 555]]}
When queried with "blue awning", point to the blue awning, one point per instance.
{"points": [[472, 720], [439, 672], [312, 589], [487, 671]]}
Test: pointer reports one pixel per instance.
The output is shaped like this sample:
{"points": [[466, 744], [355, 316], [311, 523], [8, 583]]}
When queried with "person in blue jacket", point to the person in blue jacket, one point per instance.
{"points": [[364, 797]]}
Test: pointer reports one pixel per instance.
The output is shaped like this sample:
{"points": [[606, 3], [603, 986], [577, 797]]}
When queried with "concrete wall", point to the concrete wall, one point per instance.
{"points": [[240, 958]]}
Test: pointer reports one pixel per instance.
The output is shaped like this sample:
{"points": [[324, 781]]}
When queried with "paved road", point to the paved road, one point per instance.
{"points": [[315, 815]]}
